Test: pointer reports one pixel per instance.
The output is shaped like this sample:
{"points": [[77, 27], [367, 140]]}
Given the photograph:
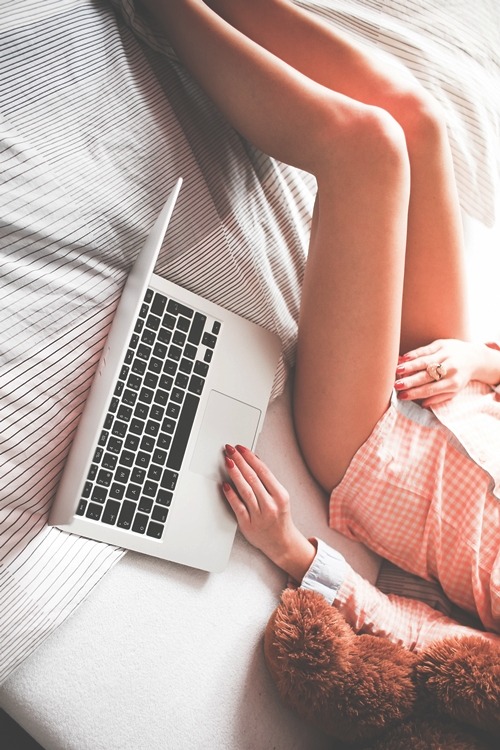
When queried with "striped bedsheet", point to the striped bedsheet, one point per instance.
{"points": [[97, 121]]}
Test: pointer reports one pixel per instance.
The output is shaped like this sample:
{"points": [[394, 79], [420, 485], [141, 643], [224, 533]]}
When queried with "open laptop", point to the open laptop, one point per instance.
{"points": [[178, 378]]}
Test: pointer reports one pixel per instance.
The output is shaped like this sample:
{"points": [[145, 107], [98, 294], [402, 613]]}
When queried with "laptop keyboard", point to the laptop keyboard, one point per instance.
{"points": [[134, 471]]}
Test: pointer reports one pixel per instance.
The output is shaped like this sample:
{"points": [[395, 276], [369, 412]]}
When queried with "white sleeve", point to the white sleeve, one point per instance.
{"points": [[326, 573]]}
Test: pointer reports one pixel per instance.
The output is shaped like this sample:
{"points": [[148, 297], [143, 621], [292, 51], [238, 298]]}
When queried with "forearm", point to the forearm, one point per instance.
{"points": [[402, 620]]}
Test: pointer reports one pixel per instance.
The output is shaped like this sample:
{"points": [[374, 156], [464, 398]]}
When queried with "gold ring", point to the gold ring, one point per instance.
{"points": [[436, 371]]}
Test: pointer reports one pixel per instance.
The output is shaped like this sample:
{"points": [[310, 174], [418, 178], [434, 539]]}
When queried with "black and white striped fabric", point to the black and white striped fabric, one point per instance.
{"points": [[95, 130], [96, 125]]}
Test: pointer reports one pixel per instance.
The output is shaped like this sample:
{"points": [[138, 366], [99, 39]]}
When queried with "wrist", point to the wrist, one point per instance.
{"points": [[487, 369], [296, 556]]}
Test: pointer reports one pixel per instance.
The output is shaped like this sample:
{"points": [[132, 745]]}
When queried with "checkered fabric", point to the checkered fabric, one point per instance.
{"points": [[414, 495]]}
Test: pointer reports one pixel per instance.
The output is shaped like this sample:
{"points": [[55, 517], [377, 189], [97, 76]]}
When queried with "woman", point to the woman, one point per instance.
{"points": [[384, 275]]}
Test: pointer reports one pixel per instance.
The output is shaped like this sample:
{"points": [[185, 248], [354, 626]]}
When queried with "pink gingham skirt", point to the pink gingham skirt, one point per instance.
{"points": [[414, 495]]}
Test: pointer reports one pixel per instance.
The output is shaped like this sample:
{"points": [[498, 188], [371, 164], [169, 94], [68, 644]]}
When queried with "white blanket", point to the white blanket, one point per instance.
{"points": [[95, 126]]}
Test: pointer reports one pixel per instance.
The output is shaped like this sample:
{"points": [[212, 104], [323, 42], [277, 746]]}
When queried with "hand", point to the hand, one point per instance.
{"points": [[461, 361], [262, 508]]}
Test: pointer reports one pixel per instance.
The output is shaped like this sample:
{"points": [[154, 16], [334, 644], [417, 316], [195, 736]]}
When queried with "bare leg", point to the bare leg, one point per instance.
{"points": [[352, 294], [434, 294]]}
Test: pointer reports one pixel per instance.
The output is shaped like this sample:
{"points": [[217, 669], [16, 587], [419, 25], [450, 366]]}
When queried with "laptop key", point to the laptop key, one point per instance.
{"points": [[197, 327], [104, 478], [153, 322], [140, 523], [164, 497], [109, 461], [129, 397], [196, 385], [148, 336], [201, 368], [145, 504], [126, 514], [141, 411], [147, 444], [111, 511], [132, 442], [94, 511], [183, 431], [126, 458], [117, 491], [138, 366], [155, 530], [177, 396], [137, 426], [164, 441], [133, 492], [173, 410], [209, 340], [169, 480], [177, 308], [160, 513], [159, 303], [164, 335], [99, 494], [115, 445], [122, 475], [183, 324]]}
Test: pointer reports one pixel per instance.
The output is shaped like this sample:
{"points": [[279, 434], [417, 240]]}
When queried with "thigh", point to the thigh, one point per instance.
{"points": [[349, 325]]}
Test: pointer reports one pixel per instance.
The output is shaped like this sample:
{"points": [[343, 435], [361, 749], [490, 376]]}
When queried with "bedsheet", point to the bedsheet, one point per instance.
{"points": [[95, 129], [97, 121]]}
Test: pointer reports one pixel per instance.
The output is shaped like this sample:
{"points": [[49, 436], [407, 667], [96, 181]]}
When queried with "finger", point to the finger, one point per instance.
{"points": [[422, 352], [238, 507], [420, 364], [429, 390], [414, 380], [439, 398], [262, 471], [246, 483]]}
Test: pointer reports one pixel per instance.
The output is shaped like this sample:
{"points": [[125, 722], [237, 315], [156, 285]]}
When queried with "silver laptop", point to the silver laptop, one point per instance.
{"points": [[178, 378]]}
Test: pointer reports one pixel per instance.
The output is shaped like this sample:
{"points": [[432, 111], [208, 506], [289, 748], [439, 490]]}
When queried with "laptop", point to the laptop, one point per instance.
{"points": [[179, 377]]}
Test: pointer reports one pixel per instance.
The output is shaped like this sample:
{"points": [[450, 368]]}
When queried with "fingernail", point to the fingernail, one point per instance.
{"points": [[399, 385], [403, 395], [400, 369], [229, 462], [230, 450], [241, 449], [226, 486]]}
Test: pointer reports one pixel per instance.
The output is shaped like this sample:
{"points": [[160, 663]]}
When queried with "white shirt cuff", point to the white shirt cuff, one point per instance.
{"points": [[326, 573]]}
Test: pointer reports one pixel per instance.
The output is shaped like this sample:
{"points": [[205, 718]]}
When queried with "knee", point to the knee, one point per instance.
{"points": [[420, 116], [369, 145]]}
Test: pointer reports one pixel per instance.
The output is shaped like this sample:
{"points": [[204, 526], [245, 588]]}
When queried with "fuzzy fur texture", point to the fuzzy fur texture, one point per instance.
{"points": [[367, 693]]}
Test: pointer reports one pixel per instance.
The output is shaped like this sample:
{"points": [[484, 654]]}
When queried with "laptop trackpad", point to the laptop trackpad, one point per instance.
{"points": [[226, 420]]}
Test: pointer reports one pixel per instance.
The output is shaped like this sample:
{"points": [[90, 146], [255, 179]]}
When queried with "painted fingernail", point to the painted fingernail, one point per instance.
{"points": [[229, 462], [403, 396], [399, 385], [226, 486], [400, 369], [241, 449], [230, 450]]}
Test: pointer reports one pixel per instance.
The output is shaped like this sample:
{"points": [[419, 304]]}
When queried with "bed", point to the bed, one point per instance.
{"points": [[98, 648]]}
